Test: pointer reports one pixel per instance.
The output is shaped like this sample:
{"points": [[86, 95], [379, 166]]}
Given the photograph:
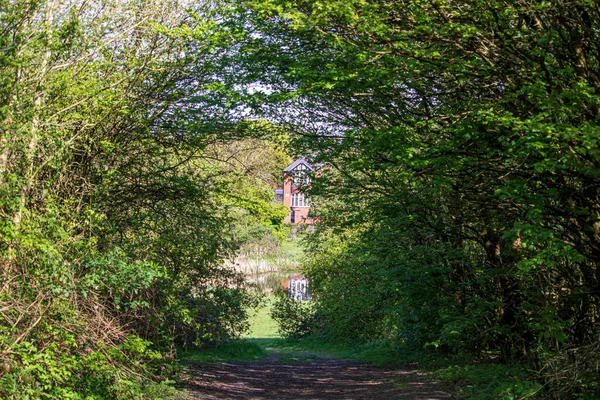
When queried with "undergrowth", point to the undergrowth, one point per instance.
{"points": [[489, 381]]}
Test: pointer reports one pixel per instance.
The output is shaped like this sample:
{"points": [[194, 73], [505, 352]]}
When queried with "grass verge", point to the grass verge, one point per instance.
{"points": [[233, 350]]}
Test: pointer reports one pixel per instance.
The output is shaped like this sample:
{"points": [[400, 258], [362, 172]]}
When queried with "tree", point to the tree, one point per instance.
{"points": [[461, 132], [114, 227]]}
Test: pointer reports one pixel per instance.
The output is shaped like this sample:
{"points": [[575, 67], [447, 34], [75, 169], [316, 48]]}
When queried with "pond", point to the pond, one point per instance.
{"points": [[295, 285]]}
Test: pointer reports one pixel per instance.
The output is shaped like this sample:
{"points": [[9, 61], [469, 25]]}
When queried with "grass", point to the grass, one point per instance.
{"points": [[474, 381], [262, 326], [376, 354], [263, 335], [471, 380], [292, 250], [252, 347], [287, 258], [264, 332], [233, 350]]}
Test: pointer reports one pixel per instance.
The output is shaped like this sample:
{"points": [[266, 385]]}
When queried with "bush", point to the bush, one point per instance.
{"points": [[295, 318], [572, 373], [490, 381]]}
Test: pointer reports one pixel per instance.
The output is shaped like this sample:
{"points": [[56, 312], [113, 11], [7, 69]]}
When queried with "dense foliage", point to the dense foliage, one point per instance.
{"points": [[116, 216], [295, 319], [460, 208]]}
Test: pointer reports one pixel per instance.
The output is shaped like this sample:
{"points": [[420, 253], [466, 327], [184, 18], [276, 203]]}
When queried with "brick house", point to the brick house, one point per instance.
{"points": [[295, 179]]}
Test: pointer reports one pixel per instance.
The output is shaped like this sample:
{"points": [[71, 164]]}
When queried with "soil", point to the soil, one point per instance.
{"points": [[304, 376]]}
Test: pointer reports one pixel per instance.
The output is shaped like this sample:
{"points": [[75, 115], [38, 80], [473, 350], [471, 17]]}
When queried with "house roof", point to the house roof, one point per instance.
{"points": [[296, 163]]}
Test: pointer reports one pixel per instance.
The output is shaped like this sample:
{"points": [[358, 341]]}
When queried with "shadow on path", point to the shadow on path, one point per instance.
{"points": [[305, 375]]}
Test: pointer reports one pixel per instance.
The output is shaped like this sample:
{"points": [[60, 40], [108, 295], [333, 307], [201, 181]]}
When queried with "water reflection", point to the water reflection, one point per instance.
{"points": [[296, 286]]}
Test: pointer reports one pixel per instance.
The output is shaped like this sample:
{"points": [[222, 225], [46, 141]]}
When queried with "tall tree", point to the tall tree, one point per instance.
{"points": [[468, 129], [114, 228]]}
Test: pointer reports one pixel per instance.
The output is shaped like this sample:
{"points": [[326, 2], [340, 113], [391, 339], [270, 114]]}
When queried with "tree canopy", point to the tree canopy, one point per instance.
{"points": [[458, 207], [116, 220]]}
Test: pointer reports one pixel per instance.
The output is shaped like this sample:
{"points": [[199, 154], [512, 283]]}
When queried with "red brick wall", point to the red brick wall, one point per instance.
{"points": [[300, 213]]}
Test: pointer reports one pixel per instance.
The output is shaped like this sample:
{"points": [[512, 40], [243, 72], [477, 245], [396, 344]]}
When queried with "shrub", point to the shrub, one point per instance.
{"points": [[295, 318], [572, 373]]}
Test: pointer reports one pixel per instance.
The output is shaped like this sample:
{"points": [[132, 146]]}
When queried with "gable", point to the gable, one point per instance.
{"points": [[298, 165]]}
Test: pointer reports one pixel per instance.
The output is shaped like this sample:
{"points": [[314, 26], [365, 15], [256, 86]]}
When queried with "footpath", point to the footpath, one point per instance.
{"points": [[287, 375]]}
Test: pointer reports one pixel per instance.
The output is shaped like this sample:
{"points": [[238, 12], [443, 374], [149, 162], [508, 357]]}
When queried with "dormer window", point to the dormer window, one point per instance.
{"points": [[300, 176]]}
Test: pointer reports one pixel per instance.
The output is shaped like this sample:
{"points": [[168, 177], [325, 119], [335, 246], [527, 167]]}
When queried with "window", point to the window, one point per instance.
{"points": [[300, 176], [279, 195], [299, 200]]}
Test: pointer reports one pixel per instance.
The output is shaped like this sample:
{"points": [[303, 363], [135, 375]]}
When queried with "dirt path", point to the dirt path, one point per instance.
{"points": [[303, 375]]}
